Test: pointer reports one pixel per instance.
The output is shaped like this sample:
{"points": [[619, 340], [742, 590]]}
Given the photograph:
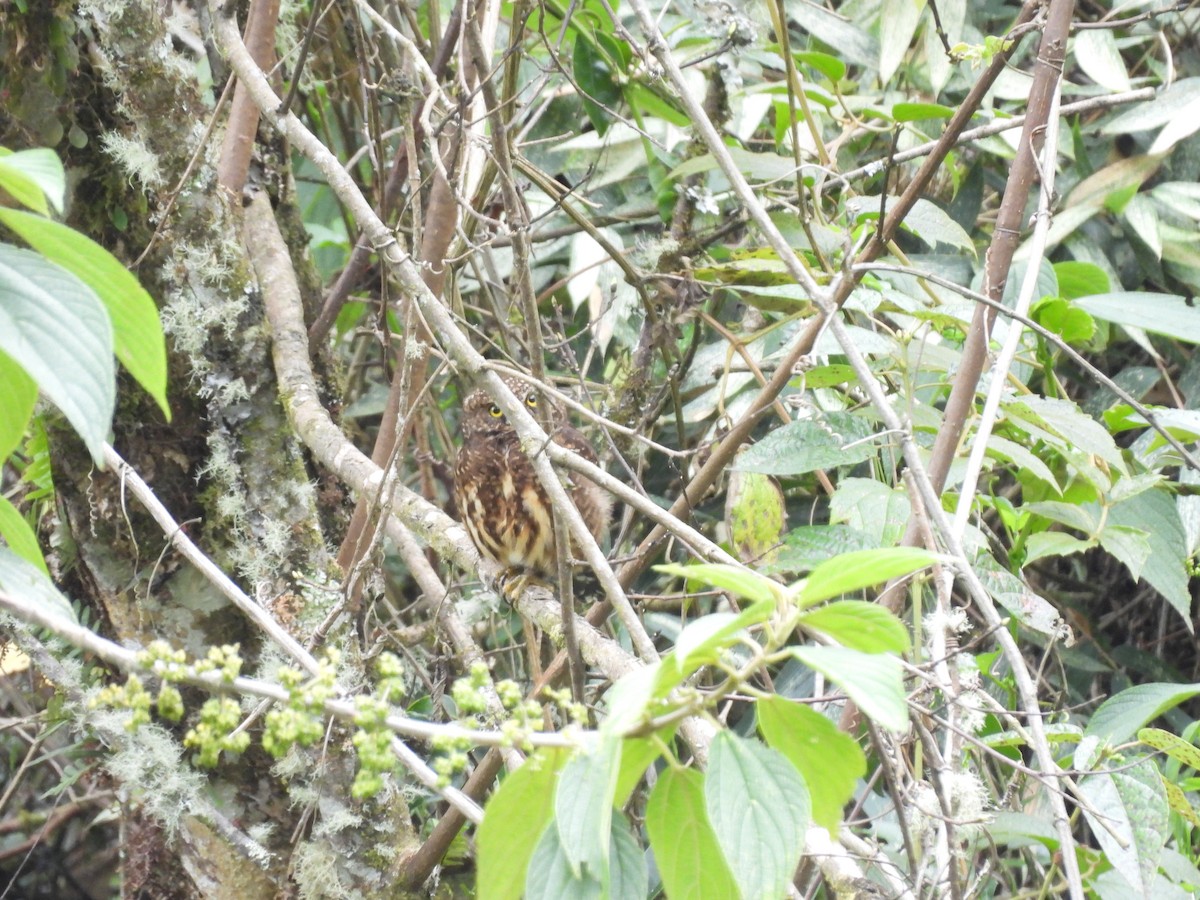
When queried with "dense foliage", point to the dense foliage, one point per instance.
{"points": [[880, 316]]}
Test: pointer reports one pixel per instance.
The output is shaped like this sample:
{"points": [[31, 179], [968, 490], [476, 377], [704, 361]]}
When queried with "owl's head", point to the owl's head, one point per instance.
{"points": [[481, 415]]}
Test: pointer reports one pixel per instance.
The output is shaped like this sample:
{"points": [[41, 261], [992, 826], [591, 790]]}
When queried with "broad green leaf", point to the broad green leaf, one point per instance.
{"points": [[829, 760], [897, 25], [839, 439], [736, 580], [1096, 52], [701, 640], [550, 875], [1024, 458], [759, 809], [1030, 609], [17, 400], [1171, 744], [1164, 314], [514, 821], [15, 532], [1131, 801], [1141, 214], [755, 514], [628, 699], [1079, 279], [829, 66], [637, 755], [824, 376], [1070, 514], [1180, 100], [1055, 543], [1129, 545], [55, 328], [1155, 513], [860, 626], [1064, 418], [24, 579], [598, 89], [808, 546], [1073, 325], [136, 329], [934, 226], [874, 681], [628, 878], [1178, 801], [32, 177], [685, 848], [863, 568], [583, 807], [870, 506], [1118, 718]]}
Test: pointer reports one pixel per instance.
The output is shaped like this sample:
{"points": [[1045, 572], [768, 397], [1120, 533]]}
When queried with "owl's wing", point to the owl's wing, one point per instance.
{"points": [[573, 439]]}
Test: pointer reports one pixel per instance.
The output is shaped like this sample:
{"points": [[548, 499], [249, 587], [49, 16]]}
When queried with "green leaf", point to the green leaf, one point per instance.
{"points": [[19, 536], [807, 546], [1073, 325], [1174, 746], [863, 568], [840, 439], [870, 506], [860, 626], [137, 332], [1129, 545], [583, 807], [830, 761], [628, 878], [514, 821], [551, 876], [916, 112], [736, 580], [1155, 513], [1131, 801], [1054, 543], [685, 847], [1024, 458], [1079, 279], [1119, 717], [829, 66], [759, 809], [637, 755], [701, 640], [1072, 515], [1164, 314], [874, 681], [54, 327], [24, 579], [16, 405], [32, 177], [595, 79]]}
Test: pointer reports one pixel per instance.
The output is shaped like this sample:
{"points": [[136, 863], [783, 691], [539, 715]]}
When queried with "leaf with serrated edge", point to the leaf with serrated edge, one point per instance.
{"points": [[55, 328], [829, 760], [551, 877], [583, 807], [863, 568], [1130, 801], [515, 819], [859, 625], [874, 681], [736, 580], [685, 848], [1119, 717], [759, 809]]}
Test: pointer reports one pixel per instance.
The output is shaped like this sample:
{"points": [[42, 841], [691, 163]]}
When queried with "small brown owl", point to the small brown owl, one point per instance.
{"points": [[499, 498]]}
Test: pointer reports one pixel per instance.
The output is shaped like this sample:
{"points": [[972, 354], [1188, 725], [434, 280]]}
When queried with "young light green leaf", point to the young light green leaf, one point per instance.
{"points": [[759, 809], [22, 578], [32, 177], [515, 819], [874, 681], [701, 641], [685, 848], [1130, 801], [19, 536], [1119, 717], [860, 626], [742, 582], [583, 807], [16, 405], [55, 328], [137, 333], [863, 568], [829, 760]]}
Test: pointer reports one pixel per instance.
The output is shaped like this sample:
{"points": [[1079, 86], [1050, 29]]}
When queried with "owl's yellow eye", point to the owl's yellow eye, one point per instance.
{"points": [[531, 400], [495, 412]]}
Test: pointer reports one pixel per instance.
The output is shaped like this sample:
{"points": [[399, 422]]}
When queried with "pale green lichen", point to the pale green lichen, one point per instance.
{"points": [[135, 158]]}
